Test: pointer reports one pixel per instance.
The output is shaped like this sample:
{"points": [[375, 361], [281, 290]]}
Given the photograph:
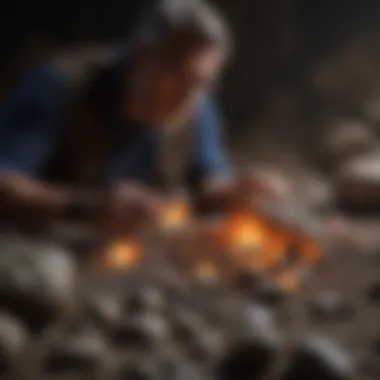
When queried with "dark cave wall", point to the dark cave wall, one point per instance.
{"points": [[274, 38], [264, 33]]}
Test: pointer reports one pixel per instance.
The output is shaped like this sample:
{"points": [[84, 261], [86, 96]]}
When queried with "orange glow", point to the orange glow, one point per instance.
{"points": [[289, 280], [220, 250], [257, 243], [177, 214], [244, 232], [206, 270], [125, 254]]}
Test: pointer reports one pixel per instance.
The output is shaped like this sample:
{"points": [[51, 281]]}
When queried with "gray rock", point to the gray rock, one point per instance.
{"points": [[254, 349], [13, 338], [344, 139], [83, 351], [146, 298], [357, 183], [138, 369], [36, 279], [373, 293], [146, 331], [370, 364], [105, 310], [270, 293], [317, 358], [330, 306], [181, 369]]}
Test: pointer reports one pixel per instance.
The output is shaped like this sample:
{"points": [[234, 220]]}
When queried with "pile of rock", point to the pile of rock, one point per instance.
{"points": [[153, 325]]}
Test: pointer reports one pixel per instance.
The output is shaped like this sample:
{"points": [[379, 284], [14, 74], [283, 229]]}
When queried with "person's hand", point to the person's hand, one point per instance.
{"points": [[260, 184], [128, 208]]}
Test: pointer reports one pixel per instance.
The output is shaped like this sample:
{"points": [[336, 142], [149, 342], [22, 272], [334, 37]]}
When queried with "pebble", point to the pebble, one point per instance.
{"points": [[36, 280], [146, 331], [373, 293], [318, 358], [83, 351], [13, 337], [330, 306], [253, 351]]}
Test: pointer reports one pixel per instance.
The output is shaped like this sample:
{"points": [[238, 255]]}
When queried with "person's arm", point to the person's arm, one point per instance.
{"points": [[217, 185], [212, 177], [29, 124]]}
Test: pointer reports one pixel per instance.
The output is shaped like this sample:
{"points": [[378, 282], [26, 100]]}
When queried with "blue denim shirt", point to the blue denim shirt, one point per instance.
{"points": [[30, 124]]}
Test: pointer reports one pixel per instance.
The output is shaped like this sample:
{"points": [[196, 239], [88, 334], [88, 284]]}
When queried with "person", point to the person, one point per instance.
{"points": [[89, 147]]}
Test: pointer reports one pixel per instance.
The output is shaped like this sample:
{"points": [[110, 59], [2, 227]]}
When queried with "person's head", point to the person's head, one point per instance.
{"points": [[177, 56]]}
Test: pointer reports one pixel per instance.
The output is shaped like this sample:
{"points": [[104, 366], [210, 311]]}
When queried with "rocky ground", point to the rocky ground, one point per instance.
{"points": [[58, 321]]}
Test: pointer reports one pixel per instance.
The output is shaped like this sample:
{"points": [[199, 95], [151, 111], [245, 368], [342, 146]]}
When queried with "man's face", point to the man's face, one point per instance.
{"points": [[168, 85]]}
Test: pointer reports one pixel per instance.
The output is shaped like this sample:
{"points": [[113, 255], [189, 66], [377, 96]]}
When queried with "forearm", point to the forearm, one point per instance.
{"points": [[29, 202], [218, 196]]}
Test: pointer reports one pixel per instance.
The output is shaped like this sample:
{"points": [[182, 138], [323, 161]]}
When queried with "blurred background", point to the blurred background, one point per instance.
{"points": [[297, 61], [301, 98]]}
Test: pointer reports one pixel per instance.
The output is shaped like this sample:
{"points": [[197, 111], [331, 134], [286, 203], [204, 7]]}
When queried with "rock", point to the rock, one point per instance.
{"points": [[370, 363], [257, 321], [104, 310], [246, 359], [145, 299], [330, 306], [260, 288], [13, 337], [270, 293], [248, 281], [180, 369], [373, 293], [317, 358], [146, 331], [82, 351], [254, 349], [357, 183], [344, 139], [314, 192], [138, 369], [205, 345], [36, 279], [370, 367], [185, 325]]}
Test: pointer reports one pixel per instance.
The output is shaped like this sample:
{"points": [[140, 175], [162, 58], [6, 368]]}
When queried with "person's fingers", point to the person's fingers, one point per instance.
{"points": [[264, 185]]}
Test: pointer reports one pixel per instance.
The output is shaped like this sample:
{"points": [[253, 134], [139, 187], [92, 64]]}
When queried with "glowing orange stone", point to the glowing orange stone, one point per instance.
{"points": [[176, 215], [124, 254], [206, 270]]}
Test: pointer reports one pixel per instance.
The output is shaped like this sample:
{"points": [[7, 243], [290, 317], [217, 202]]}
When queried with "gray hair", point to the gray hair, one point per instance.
{"points": [[193, 20]]}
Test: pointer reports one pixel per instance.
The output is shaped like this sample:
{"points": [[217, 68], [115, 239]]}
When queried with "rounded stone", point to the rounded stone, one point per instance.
{"points": [[13, 338], [318, 358], [330, 306], [255, 347], [36, 279], [357, 183], [83, 351], [373, 293]]}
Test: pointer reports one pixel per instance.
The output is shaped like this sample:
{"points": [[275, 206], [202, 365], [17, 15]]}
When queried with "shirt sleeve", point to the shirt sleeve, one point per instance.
{"points": [[210, 159], [29, 122]]}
